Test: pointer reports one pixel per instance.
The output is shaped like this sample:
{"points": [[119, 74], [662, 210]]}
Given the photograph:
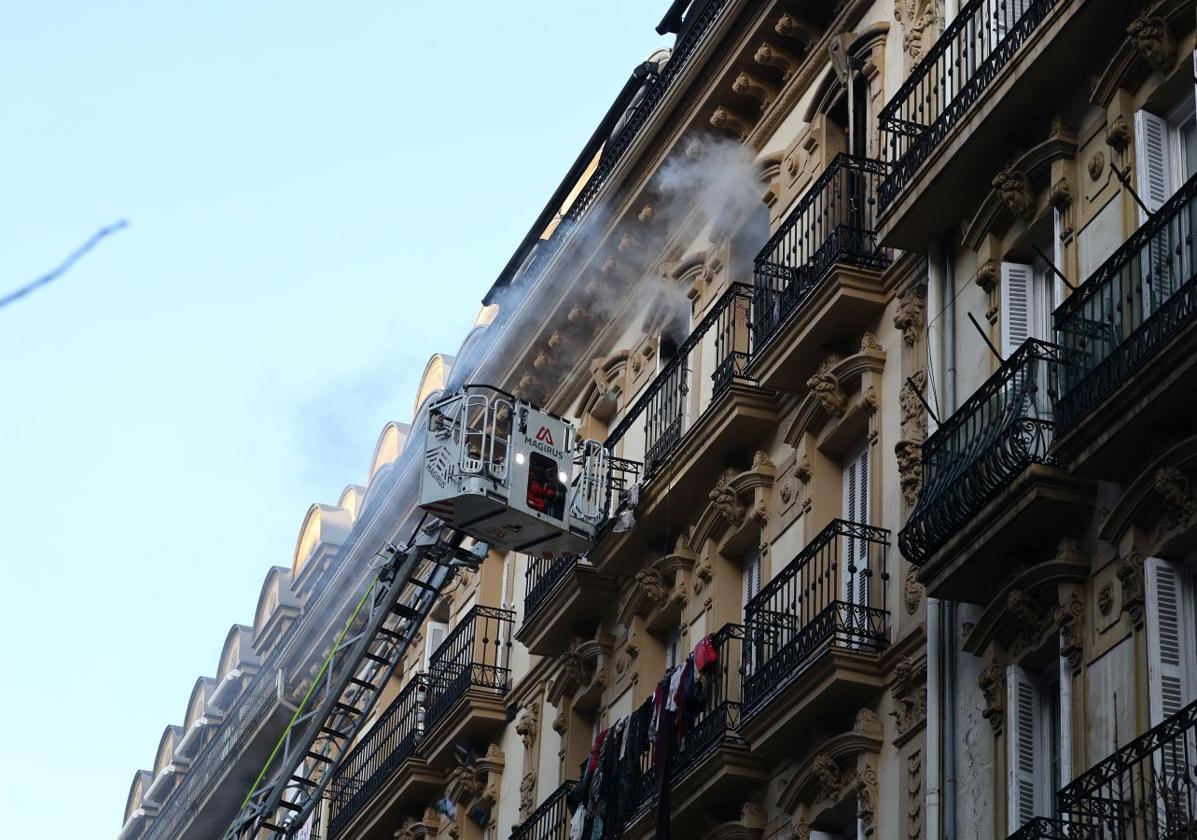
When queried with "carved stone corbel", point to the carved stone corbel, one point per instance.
{"points": [[826, 387], [916, 18], [1130, 577], [1070, 618], [754, 87], [1152, 39], [909, 692], [771, 55], [725, 119], [1014, 189], [992, 682], [912, 313]]}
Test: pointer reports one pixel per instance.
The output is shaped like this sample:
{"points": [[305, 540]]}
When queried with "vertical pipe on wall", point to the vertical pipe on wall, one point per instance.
{"points": [[935, 345], [949, 617]]}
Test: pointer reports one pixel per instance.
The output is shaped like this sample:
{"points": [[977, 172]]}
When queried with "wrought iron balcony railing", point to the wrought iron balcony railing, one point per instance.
{"points": [[388, 743], [834, 222], [716, 722], [1128, 308], [1146, 789], [1046, 828], [713, 356], [542, 576], [550, 820], [949, 81], [1003, 428], [826, 597], [474, 655]]}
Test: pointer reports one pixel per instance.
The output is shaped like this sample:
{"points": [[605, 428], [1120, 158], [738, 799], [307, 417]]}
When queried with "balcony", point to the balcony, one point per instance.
{"points": [[712, 765], [562, 593], [550, 820], [814, 633], [468, 677], [950, 122], [1129, 338], [1146, 789], [702, 396], [383, 767], [984, 468], [816, 279]]}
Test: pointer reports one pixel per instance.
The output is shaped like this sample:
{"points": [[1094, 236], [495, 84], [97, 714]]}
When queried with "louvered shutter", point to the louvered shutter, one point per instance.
{"points": [[751, 580], [855, 586], [672, 644], [1017, 302], [1023, 735], [1167, 638], [1153, 169]]}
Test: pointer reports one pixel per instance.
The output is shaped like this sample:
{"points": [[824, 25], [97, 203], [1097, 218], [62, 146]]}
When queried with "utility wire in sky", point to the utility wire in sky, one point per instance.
{"points": [[67, 263]]}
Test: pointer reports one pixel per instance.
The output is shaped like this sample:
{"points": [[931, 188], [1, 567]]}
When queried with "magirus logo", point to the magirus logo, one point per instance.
{"points": [[545, 436]]}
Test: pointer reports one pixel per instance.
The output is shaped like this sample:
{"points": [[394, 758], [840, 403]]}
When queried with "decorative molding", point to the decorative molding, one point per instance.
{"points": [[1130, 577], [917, 18], [1014, 189], [912, 590], [1151, 38], [914, 795], [909, 692], [992, 682], [825, 386], [528, 725], [911, 316], [1070, 619], [527, 794]]}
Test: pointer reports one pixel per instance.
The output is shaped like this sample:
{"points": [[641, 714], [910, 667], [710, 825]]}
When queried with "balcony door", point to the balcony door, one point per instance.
{"points": [[854, 570], [1170, 637]]}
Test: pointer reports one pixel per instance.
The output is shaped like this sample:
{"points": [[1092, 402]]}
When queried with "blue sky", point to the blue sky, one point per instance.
{"points": [[318, 196]]}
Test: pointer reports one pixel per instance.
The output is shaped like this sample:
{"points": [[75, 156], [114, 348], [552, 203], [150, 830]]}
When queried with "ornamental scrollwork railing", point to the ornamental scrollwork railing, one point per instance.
{"points": [[1146, 789], [701, 368], [943, 88], [1048, 828], [831, 595], [389, 742], [550, 820], [1002, 429], [542, 577], [834, 222], [1140, 297], [474, 655]]}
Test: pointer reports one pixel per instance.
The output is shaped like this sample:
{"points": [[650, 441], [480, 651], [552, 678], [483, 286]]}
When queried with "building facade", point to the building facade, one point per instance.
{"points": [[884, 309]]}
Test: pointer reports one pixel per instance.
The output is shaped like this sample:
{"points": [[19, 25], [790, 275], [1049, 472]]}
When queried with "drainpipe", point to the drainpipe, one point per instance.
{"points": [[949, 617], [935, 345]]}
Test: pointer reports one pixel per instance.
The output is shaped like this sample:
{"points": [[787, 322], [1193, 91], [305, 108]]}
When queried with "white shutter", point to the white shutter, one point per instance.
{"points": [[1152, 161], [434, 635], [1167, 642], [1016, 302], [1024, 731], [1153, 169], [672, 645], [751, 580], [855, 586]]}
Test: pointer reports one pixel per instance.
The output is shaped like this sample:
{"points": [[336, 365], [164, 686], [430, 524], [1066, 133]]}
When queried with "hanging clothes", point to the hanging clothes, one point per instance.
{"points": [[705, 654]]}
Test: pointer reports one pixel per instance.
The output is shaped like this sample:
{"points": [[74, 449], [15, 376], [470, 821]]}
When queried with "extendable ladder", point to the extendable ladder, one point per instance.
{"points": [[357, 669]]}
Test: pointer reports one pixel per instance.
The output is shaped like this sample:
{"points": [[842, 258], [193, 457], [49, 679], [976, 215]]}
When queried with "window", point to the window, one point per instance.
{"points": [[751, 578], [1035, 743]]}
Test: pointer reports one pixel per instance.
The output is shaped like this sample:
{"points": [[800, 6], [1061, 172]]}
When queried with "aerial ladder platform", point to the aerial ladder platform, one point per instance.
{"points": [[496, 469]]}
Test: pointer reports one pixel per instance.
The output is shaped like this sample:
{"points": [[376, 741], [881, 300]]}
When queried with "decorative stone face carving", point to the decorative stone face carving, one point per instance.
{"points": [[909, 692], [1030, 617], [869, 401], [826, 387], [651, 585], [988, 274], [528, 725], [1176, 491], [831, 777], [992, 682], [916, 18], [1105, 599], [1070, 618], [1096, 165], [559, 722], [725, 500], [912, 313], [912, 590], [1152, 40], [1014, 189], [1130, 577]]}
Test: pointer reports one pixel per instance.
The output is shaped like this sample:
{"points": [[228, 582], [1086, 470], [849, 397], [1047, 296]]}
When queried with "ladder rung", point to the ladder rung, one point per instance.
{"points": [[373, 657], [404, 611], [290, 806], [303, 780], [366, 685], [273, 827], [345, 707], [425, 586], [319, 757], [336, 733], [390, 634]]}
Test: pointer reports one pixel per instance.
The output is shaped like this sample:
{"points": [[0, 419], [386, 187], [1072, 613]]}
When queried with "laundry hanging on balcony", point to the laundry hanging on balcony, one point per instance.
{"points": [[604, 799]]}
